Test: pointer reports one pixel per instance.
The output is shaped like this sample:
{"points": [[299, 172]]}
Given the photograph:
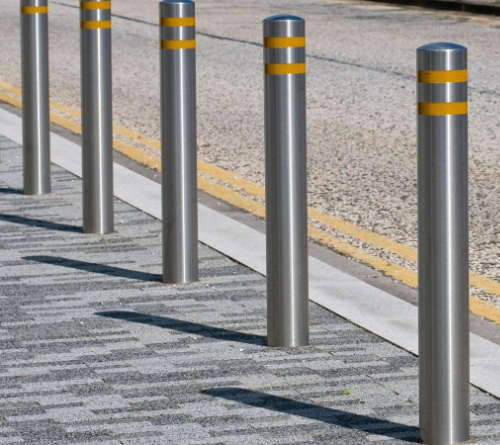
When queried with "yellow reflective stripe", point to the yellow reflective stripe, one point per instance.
{"points": [[95, 5], [285, 68], [177, 21], [441, 108], [284, 42], [178, 44], [34, 9], [442, 76], [92, 24]]}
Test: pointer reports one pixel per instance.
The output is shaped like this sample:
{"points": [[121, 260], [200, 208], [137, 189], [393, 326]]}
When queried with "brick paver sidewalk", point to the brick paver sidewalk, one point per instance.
{"points": [[94, 349]]}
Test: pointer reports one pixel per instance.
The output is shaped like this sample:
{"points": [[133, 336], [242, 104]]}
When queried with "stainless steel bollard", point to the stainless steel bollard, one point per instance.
{"points": [[443, 243], [35, 92], [97, 131], [178, 141], [286, 191]]}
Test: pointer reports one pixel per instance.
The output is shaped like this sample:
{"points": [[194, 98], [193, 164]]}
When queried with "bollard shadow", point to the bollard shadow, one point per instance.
{"points": [[39, 223], [95, 267], [11, 191], [371, 425], [187, 327]]}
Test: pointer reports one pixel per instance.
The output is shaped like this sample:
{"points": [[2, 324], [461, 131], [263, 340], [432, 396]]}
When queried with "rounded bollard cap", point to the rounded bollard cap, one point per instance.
{"points": [[442, 56], [34, 3], [283, 25], [177, 8], [282, 17]]}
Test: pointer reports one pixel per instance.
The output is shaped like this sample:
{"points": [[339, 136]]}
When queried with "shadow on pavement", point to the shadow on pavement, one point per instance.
{"points": [[95, 268], [11, 191], [186, 326], [359, 422], [39, 223]]}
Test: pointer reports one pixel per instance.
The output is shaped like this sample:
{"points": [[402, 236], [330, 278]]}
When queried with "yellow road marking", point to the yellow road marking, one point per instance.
{"points": [[10, 100], [232, 197], [177, 21], [285, 68], [400, 273], [284, 42], [178, 44], [96, 24], [442, 76], [95, 5], [442, 108], [34, 9]]}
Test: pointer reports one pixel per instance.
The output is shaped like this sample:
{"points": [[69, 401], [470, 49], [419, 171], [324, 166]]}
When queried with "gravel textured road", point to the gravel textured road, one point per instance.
{"points": [[361, 100]]}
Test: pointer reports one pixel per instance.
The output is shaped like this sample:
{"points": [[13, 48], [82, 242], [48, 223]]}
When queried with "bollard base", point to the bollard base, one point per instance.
{"points": [[36, 193], [91, 231]]}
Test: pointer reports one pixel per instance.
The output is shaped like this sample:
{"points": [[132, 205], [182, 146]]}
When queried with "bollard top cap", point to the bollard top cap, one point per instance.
{"points": [[282, 18], [442, 46], [33, 2], [444, 56], [284, 25], [177, 8]]}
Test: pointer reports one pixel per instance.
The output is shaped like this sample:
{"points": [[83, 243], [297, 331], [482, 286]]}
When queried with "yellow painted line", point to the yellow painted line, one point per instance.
{"points": [[178, 44], [10, 100], [442, 76], [34, 9], [284, 42], [10, 88], [95, 5], [482, 309], [118, 129], [285, 68], [177, 21], [232, 197], [442, 108], [96, 24], [400, 273], [66, 123], [135, 153]]}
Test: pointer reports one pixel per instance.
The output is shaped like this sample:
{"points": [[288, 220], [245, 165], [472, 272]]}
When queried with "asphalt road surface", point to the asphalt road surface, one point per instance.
{"points": [[361, 101]]}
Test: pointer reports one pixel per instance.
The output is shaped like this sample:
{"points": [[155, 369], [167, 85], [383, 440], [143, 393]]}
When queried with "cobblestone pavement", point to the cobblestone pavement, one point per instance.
{"points": [[95, 350]]}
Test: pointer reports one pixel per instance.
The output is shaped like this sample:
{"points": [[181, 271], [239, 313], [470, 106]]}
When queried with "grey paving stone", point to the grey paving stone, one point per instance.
{"points": [[96, 350]]}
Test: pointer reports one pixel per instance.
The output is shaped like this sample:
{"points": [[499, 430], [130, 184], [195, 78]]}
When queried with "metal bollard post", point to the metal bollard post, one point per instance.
{"points": [[443, 243], [35, 92], [97, 131], [178, 141], [286, 194]]}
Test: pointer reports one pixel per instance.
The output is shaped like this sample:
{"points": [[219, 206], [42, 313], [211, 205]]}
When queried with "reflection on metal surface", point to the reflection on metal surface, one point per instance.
{"points": [[178, 141], [286, 190], [97, 131], [443, 249], [35, 93]]}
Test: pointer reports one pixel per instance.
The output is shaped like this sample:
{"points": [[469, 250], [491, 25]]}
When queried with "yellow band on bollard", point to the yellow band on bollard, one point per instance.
{"points": [[34, 9], [177, 21], [284, 42], [99, 24], [95, 5], [178, 44], [285, 68], [442, 76], [442, 108]]}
